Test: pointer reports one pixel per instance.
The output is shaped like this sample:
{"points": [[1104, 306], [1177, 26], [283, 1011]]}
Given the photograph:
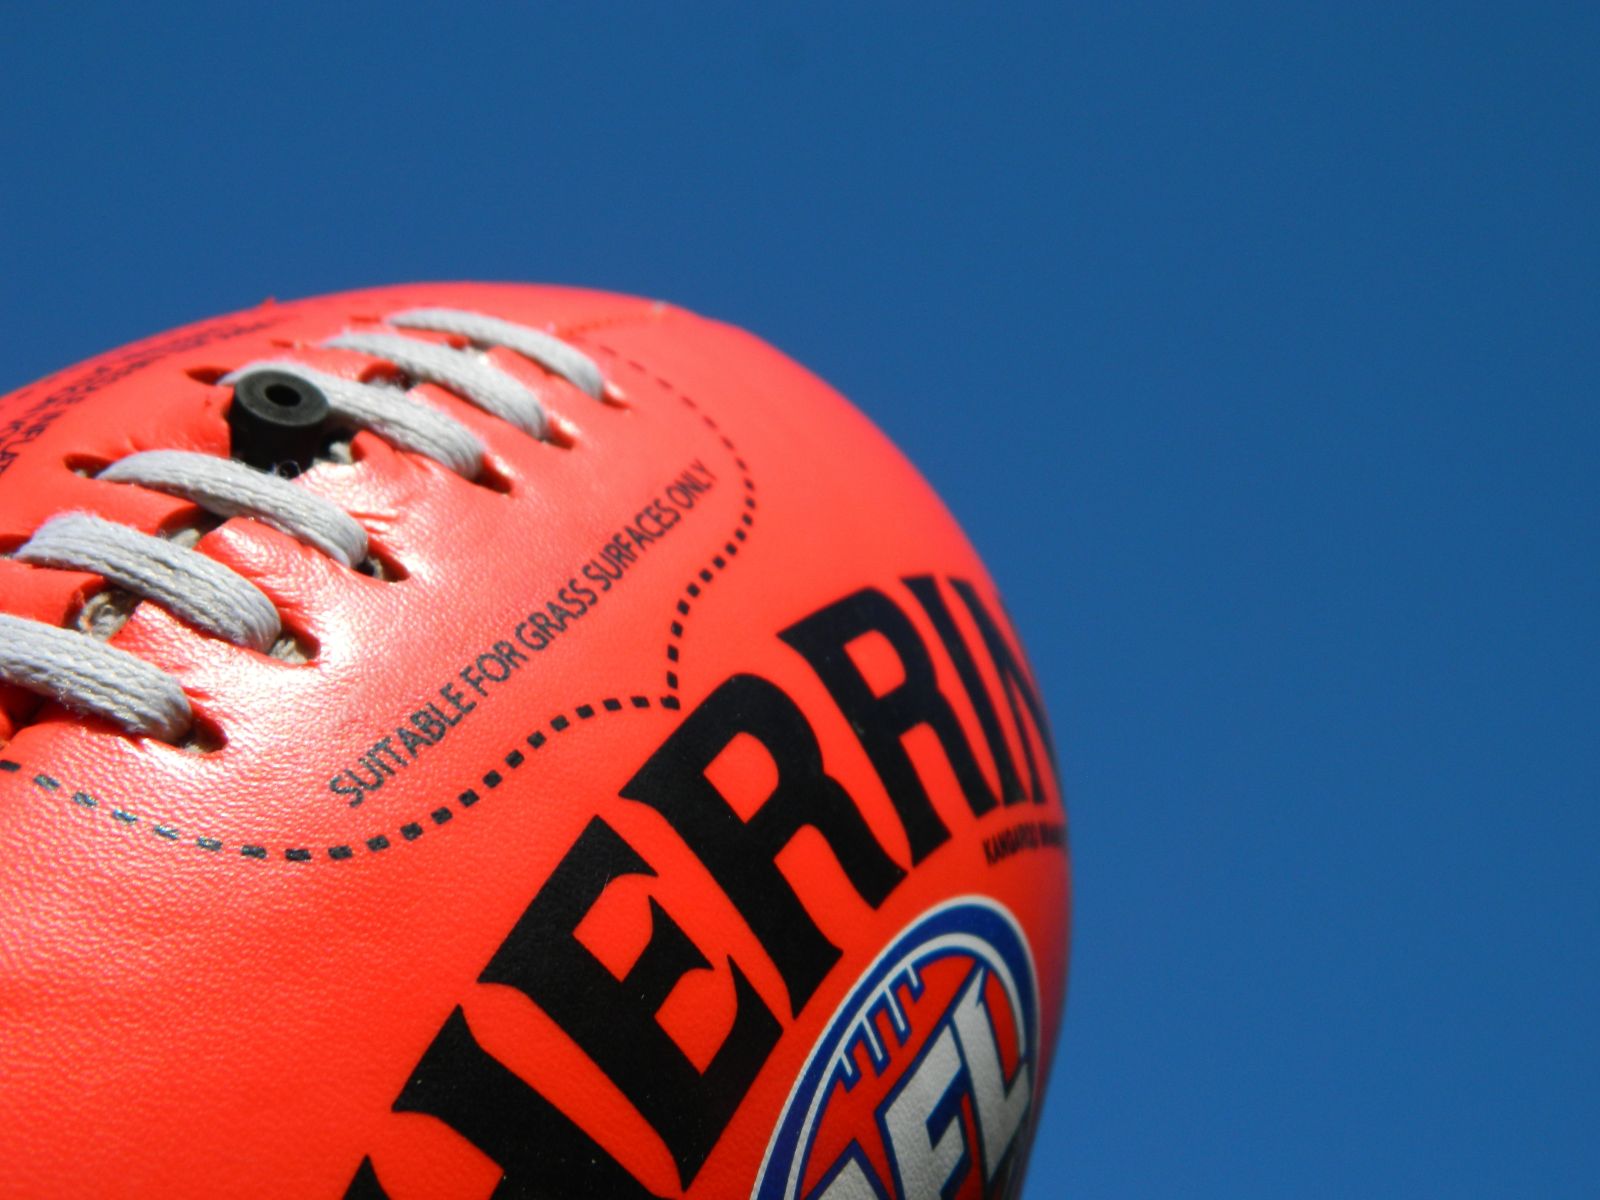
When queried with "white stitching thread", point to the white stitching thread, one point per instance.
{"points": [[543, 348], [90, 677], [86, 675], [490, 388], [190, 585], [231, 489]]}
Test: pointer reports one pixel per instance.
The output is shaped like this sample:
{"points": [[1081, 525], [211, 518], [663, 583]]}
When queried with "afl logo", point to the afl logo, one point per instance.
{"points": [[921, 1087]]}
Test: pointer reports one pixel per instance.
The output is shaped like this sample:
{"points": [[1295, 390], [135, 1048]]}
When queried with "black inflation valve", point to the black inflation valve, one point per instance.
{"points": [[277, 420]]}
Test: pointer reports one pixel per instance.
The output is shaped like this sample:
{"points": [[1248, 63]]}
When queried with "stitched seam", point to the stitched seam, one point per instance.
{"points": [[412, 831], [685, 605], [404, 834]]}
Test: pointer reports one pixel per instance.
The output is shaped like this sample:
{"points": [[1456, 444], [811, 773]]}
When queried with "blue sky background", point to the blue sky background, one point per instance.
{"points": [[1255, 346]]}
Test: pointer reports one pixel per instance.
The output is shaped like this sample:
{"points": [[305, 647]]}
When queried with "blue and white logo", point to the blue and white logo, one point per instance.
{"points": [[922, 1085]]}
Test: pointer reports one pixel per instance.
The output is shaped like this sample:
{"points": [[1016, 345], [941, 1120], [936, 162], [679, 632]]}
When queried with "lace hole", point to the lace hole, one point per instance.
{"points": [[87, 465], [381, 566], [294, 647], [493, 477], [204, 736], [561, 433]]}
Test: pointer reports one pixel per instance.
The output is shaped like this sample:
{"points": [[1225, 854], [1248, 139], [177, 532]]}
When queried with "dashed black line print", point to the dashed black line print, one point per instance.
{"points": [[409, 832], [720, 561], [512, 760]]}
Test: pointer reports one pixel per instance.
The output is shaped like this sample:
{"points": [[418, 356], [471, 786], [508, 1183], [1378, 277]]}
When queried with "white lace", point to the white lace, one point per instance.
{"points": [[231, 489], [86, 675]]}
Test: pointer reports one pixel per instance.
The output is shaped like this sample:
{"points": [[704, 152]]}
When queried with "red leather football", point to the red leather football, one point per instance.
{"points": [[479, 740]]}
